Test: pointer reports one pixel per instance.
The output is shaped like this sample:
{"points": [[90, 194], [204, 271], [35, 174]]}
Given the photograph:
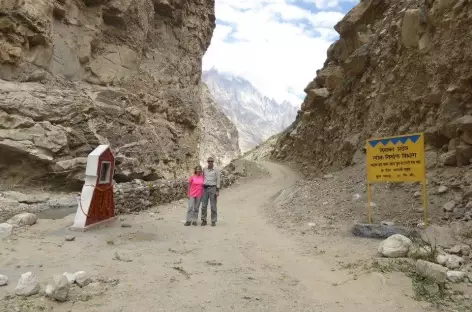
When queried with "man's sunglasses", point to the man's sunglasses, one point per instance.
{"points": [[210, 161]]}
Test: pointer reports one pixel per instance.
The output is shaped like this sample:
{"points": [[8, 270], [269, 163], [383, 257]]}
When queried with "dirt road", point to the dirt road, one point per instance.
{"points": [[243, 264]]}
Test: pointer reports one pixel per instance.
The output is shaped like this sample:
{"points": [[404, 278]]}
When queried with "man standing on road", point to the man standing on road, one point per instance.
{"points": [[211, 189]]}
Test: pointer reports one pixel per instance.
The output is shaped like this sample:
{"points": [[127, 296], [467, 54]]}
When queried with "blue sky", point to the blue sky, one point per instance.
{"points": [[275, 44]]}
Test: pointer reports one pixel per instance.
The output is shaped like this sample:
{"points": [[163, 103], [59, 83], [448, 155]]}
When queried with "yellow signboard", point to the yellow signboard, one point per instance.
{"points": [[396, 159]]}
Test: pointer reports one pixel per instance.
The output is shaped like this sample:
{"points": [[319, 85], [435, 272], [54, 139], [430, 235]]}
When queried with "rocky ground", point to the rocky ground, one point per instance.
{"points": [[149, 261]]}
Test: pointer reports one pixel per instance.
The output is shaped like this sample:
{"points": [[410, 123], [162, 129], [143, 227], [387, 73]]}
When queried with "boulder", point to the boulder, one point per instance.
{"points": [[3, 280], [431, 270], [456, 276], [23, 219], [82, 279], [28, 285], [59, 288], [396, 246]]}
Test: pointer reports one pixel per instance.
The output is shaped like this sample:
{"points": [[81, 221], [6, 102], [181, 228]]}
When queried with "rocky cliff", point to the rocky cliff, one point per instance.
{"points": [[219, 134], [77, 73], [398, 67], [256, 116]]}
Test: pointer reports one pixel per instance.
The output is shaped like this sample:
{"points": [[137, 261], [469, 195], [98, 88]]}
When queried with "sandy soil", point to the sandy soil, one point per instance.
{"points": [[245, 263]]}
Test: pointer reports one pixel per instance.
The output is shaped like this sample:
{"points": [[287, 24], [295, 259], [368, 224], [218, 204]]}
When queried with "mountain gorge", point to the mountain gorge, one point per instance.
{"points": [[256, 116]]}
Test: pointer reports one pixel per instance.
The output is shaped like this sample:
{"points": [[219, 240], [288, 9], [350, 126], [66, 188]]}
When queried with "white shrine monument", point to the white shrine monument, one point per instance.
{"points": [[95, 205]]}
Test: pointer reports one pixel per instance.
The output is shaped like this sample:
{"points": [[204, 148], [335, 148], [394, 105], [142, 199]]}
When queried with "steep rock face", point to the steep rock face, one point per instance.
{"points": [[219, 134], [399, 67], [77, 73], [256, 116]]}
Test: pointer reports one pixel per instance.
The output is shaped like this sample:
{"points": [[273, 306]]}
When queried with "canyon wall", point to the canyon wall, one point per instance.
{"points": [[78, 73]]}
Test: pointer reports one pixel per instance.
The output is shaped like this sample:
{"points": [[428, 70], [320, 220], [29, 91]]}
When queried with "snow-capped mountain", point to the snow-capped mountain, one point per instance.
{"points": [[256, 116]]}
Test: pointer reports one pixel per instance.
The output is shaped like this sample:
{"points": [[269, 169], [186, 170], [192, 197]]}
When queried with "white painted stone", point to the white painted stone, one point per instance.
{"points": [[395, 246]]}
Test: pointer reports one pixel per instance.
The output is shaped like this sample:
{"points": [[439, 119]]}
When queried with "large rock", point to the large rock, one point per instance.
{"points": [[28, 285], [396, 246], [357, 62], [432, 270], [23, 219], [58, 288]]}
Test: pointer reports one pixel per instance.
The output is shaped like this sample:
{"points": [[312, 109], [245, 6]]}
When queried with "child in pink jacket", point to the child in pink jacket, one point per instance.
{"points": [[195, 193]]}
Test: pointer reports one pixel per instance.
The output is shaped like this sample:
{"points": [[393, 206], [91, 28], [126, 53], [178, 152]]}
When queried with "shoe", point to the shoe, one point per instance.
{"points": [[194, 223], [187, 223], [204, 222], [213, 223]]}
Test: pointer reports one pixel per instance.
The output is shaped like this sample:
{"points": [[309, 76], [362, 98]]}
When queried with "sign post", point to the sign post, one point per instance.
{"points": [[396, 159]]}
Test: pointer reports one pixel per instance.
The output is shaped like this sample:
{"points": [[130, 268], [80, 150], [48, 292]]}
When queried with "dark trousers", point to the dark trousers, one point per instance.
{"points": [[209, 194]]}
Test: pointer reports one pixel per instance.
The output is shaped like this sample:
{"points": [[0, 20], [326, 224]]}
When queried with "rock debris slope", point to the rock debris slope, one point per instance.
{"points": [[399, 67], [77, 73]]}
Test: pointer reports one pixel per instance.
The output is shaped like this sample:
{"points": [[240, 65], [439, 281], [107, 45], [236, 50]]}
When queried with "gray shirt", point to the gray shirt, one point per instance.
{"points": [[212, 176]]}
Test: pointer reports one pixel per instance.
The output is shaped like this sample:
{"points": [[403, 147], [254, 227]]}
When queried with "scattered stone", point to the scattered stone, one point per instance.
{"points": [[377, 230], [214, 263], [442, 189], [125, 225], [5, 230], [387, 223], [70, 277], [59, 288], [3, 280], [70, 238], [23, 219], [450, 261], [28, 285], [417, 194], [431, 270], [82, 279], [119, 258], [449, 206], [356, 197], [456, 276], [395, 246], [328, 176], [463, 250]]}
